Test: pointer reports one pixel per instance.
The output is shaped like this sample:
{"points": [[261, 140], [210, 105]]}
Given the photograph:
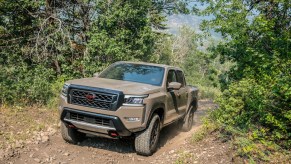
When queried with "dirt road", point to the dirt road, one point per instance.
{"points": [[100, 150]]}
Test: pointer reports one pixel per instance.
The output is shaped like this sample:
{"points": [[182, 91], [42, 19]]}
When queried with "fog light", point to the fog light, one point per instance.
{"points": [[132, 119]]}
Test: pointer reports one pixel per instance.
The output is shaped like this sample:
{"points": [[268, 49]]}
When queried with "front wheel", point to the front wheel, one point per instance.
{"points": [[71, 135], [188, 121], [146, 142]]}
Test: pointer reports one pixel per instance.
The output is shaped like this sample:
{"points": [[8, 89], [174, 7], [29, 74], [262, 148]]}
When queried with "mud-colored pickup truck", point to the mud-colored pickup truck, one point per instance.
{"points": [[127, 99]]}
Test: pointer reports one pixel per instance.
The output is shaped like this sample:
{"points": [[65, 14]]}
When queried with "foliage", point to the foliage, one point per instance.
{"points": [[46, 42], [200, 67], [255, 105], [208, 127], [121, 32], [256, 34], [255, 115]]}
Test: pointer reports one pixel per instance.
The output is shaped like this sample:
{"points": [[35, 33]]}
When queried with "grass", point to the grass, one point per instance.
{"points": [[208, 92], [18, 123], [245, 147], [184, 157], [206, 129], [258, 151]]}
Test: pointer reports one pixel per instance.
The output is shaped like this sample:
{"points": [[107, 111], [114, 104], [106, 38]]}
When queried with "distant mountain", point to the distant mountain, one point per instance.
{"points": [[178, 20]]}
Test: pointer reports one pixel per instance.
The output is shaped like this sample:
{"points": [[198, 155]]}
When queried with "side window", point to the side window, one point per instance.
{"points": [[180, 78], [171, 77]]}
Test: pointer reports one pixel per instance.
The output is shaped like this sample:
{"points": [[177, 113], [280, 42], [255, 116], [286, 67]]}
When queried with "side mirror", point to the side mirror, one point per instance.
{"points": [[174, 85], [96, 74]]}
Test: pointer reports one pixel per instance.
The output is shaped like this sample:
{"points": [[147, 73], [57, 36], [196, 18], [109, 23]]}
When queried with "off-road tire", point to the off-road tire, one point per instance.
{"points": [[187, 123], [71, 135], [146, 142]]}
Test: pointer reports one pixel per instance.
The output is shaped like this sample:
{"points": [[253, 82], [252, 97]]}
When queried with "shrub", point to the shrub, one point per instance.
{"points": [[256, 113], [23, 85]]}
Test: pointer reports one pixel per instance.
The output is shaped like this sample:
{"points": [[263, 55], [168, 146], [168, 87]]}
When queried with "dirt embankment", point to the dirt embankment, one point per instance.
{"points": [[174, 147]]}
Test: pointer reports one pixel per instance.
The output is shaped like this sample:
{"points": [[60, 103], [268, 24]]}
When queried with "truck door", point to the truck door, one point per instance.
{"points": [[182, 94], [172, 99]]}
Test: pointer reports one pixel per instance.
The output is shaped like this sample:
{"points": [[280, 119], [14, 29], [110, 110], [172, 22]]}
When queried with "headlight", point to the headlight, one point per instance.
{"points": [[134, 100], [65, 90]]}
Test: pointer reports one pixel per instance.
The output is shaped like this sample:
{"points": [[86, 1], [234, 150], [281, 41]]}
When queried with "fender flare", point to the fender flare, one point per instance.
{"points": [[157, 106], [194, 104]]}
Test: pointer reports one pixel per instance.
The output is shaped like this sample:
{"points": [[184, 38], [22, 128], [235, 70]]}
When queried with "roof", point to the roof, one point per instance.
{"points": [[152, 64]]}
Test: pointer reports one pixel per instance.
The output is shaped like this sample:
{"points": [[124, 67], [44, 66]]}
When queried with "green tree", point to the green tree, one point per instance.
{"points": [[46, 42], [257, 99], [256, 33]]}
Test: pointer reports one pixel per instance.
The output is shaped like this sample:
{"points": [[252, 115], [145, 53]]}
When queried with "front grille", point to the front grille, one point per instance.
{"points": [[92, 120], [92, 99]]}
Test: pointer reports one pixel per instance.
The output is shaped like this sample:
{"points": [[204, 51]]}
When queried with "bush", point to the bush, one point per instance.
{"points": [[255, 113], [23, 85]]}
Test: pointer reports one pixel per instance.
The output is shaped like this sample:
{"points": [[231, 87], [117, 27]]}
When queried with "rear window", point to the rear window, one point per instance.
{"points": [[180, 78]]}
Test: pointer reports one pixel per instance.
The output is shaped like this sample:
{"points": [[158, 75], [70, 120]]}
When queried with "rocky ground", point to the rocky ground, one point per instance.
{"points": [[174, 147]]}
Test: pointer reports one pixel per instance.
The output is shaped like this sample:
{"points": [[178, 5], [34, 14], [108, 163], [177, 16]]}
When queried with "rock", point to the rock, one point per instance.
{"points": [[67, 154], [51, 131], [31, 155], [44, 139], [19, 144], [36, 160], [172, 151]]}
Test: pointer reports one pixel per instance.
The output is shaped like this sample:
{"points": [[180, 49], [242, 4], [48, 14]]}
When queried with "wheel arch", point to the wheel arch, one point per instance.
{"points": [[194, 104], [159, 109]]}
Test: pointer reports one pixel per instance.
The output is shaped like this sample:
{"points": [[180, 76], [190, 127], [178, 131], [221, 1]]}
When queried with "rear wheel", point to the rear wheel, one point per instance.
{"points": [[146, 142], [71, 135], [188, 121]]}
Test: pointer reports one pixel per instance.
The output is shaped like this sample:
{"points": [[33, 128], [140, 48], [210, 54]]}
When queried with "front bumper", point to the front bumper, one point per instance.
{"points": [[93, 123], [99, 110]]}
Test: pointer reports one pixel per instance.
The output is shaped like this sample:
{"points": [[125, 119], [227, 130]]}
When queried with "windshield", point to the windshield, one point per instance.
{"points": [[134, 72]]}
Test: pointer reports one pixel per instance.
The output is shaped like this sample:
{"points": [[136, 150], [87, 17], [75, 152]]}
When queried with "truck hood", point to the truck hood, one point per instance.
{"points": [[126, 87]]}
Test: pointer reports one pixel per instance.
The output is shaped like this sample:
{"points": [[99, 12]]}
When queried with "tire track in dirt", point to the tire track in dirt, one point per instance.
{"points": [[102, 150]]}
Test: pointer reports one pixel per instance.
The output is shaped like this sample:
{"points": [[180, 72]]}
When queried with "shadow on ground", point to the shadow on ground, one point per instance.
{"points": [[127, 145]]}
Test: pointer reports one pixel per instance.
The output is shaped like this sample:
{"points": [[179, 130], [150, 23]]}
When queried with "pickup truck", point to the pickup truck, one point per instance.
{"points": [[127, 99]]}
